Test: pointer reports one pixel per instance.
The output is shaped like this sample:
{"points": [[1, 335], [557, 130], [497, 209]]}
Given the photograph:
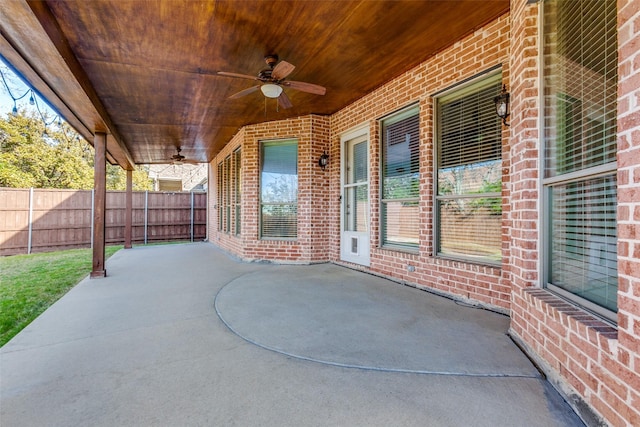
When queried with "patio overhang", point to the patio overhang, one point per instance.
{"points": [[145, 73]]}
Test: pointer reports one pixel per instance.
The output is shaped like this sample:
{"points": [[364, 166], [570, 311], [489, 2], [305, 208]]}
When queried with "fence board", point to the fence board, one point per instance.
{"points": [[62, 218], [14, 219]]}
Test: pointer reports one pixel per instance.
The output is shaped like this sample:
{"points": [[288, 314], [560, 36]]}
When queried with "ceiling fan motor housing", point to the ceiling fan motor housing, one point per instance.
{"points": [[271, 60], [265, 75]]}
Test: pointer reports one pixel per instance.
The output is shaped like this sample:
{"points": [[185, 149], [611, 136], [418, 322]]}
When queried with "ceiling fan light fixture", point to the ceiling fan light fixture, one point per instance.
{"points": [[271, 90]]}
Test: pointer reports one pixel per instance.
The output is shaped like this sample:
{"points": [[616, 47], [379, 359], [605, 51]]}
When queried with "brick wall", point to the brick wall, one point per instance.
{"points": [[312, 133], [485, 48], [587, 359], [319, 191]]}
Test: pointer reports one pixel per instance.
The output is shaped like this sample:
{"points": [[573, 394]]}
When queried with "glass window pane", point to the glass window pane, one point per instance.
{"points": [[401, 158], [279, 178], [219, 187], [485, 177], [583, 247], [470, 165], [357, 203], [237, 167], [471, 228], [227, 194], [401, 179], [580, 113], [279, 221], [279, 189], [469, 131], [580, 84], [402, 223], [360, 163]]}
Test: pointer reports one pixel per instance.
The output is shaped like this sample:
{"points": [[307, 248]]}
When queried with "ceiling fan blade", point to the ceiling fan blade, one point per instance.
{"points": [[244, 92], [284, 101], [240, 76], [282, 70], [306, 87]]}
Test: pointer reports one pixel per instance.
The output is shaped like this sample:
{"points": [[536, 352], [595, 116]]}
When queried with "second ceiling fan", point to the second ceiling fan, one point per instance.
{"points": [[272, 80]]}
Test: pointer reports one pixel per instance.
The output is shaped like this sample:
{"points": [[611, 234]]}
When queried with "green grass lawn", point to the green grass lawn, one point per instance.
{"points": [[29, 284]]}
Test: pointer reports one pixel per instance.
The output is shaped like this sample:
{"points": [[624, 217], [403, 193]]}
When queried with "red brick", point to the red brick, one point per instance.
{"points": [[589, 355]]}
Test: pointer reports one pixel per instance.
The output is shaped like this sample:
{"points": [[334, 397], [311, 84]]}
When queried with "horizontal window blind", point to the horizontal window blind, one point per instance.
{"points": [[219, 188], [279, 221], [581, 67], [401, 179], [237, 189], [469, 174], [584, 251], [469, 130], [280, 157], [279, 189], [227, 194], [580, 112]]}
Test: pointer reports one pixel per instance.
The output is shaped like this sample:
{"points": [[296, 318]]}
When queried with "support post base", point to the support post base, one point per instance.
{"points": [[98, 274]]}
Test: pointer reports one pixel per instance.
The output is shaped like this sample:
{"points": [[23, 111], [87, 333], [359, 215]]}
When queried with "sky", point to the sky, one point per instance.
{"points": [[18, 87]]}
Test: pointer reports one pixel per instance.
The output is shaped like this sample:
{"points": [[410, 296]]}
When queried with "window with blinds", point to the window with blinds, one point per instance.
{"points": [[279, 190], [580, 112], [469, 173], [237, 190], [219, 188], [401, 179], [227, 194]]}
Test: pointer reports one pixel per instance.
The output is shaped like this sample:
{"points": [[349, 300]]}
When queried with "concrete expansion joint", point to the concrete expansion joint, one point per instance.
{"points": [[363, 367]]}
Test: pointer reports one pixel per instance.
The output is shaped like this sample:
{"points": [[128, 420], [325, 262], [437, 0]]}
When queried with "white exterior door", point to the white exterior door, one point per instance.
{"points": [[354, 245]]}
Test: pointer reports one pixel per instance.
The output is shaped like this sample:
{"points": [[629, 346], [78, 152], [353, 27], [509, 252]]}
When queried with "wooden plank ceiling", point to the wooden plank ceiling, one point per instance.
{"points": [[145, 71]]}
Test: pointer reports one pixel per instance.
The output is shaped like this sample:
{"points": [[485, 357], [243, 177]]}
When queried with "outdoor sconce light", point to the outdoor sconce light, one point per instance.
{"points": [[502, 105], [323, 160]]}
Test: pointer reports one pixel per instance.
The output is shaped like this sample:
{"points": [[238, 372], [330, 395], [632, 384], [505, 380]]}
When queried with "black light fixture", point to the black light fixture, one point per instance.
{"points": [[502, 105], [323, 160]]}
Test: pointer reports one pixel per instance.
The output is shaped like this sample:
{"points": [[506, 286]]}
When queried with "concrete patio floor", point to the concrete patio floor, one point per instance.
{"points": [[183, 335]]}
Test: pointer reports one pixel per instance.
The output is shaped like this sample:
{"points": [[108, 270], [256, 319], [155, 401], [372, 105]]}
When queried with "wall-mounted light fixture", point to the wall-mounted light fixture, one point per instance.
{"points": [[323, 161], [502, 105]]}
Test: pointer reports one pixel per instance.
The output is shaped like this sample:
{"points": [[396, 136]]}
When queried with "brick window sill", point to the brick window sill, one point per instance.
{"points": [[575, 319]]}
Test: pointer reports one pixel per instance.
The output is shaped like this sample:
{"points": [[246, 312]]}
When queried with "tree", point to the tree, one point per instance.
{"points": [[117, 178], [33, 155]]}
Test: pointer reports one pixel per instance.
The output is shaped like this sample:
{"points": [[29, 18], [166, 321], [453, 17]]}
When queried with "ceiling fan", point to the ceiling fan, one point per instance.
{"points": [[179, 159], [272, 80]]}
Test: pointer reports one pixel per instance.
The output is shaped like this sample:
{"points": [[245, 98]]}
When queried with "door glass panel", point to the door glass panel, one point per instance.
{"points": [[360, 162], [357, 203], [356, 190]]}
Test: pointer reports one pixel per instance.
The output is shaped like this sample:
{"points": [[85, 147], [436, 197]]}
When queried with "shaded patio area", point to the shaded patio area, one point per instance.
{"points": [[185, 335]]}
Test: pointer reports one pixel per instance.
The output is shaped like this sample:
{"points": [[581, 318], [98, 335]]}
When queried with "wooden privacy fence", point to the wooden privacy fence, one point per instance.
{"points": [[40, 220]]}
